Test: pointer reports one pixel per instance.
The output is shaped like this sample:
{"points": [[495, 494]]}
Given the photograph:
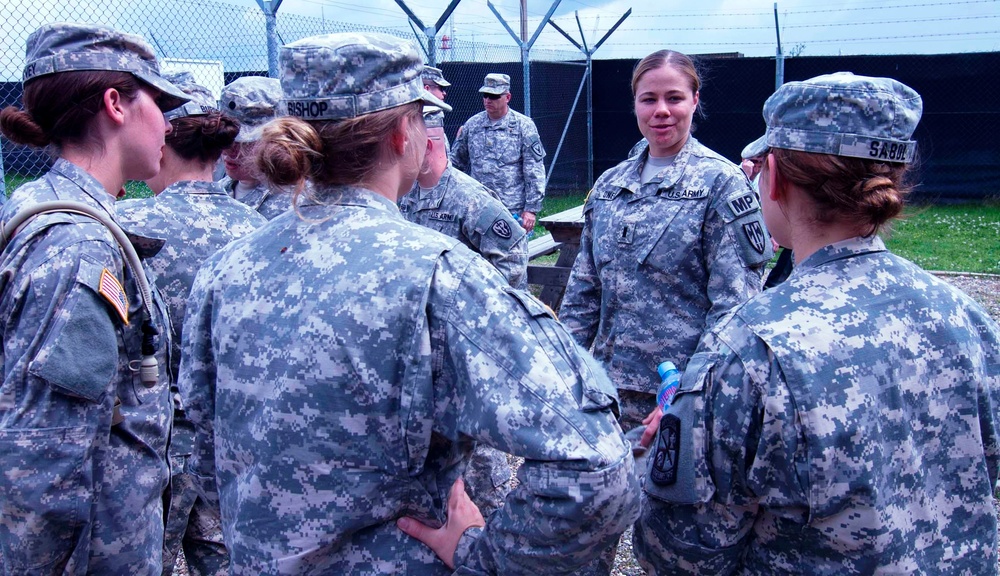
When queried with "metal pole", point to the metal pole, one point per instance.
{"points": [[525, 48], [590, 122], [572, 110], [588, 76], [779, 64], [429, 31], [3, 177], [270, 10]]}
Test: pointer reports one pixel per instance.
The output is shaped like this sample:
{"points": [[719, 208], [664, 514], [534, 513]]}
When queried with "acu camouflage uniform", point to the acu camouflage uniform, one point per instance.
{"points": [[843, 422], [659, 263], [82, 440], [350, 415], [196, 219], [269, 201], [460, 207], [346, 363], [81, 494], [253, 100], [506, 157]]}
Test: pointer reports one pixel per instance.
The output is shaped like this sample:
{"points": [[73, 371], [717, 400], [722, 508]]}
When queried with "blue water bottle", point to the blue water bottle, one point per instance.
{"points": [[663, 470], [670, 381]]}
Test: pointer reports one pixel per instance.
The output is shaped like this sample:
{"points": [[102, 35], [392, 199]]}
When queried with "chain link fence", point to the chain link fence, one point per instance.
{"points": [[234, 39], [957, 133]]}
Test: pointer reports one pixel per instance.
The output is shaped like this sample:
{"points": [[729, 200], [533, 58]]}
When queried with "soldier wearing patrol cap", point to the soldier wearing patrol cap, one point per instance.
{"points": [[455, 204], [500, 148], [196, 217], [83, 432], [844, 421], [252, 100], [434, 82], [355, 360], [673, 238]]}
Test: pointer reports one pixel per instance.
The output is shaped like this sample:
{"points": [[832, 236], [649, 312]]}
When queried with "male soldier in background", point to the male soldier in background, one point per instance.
{"points": [[434, 82], [252, 100], [454, 204], [500, 148]]}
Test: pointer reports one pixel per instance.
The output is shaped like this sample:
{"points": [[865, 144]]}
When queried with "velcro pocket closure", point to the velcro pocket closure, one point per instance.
{"points": [[79, 354], [677, 467]]}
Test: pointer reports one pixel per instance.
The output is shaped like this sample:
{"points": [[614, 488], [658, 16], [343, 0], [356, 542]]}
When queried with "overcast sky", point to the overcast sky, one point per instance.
{"points": [[810, 27], [232, 31]]}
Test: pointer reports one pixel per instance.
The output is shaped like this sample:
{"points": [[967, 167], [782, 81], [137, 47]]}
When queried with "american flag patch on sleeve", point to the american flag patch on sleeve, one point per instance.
{"points": [[113, 292]]}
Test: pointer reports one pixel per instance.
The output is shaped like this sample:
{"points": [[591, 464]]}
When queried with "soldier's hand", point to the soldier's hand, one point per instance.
{"points": [[462, 515], [528, 220], [652, 422]]}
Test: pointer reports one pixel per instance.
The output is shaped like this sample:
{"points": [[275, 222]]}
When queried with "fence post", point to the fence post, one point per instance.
{"points": [[779, 60], [588, 76], [430, 31], [3, 177], [270, 10], [525, 49]]}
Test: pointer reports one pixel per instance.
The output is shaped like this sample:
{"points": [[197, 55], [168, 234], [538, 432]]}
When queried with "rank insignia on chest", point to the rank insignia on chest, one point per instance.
{"points": [[756, 236], [502, 229], [112, 291]]}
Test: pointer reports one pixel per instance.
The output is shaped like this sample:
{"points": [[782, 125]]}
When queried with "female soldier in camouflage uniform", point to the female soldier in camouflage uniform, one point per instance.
{"points": [[845, 421], [347, 361], [82, 441], [673, 238], [196, 217], [252, 100]]}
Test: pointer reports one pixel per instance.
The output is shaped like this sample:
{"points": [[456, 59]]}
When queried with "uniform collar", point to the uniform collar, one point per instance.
{"points": [[195, 187], [856, 246], [87, 183], [629, 177], [144, 246], [350, 196]]}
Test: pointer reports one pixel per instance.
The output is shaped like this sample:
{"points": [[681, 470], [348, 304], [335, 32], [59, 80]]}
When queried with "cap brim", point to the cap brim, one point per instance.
{"points": [[429, 99], [442, 83], [250, 133], [756, 148], [170, 96], [491, 90]]}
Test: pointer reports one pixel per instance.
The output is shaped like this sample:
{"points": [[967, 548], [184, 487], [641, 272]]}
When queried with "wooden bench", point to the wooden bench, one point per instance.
{"points": [[542, 247], [565, 229]]}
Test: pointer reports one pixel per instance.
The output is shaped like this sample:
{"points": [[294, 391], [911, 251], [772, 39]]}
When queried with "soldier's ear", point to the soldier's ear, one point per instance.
{"points": [[771, 177]]}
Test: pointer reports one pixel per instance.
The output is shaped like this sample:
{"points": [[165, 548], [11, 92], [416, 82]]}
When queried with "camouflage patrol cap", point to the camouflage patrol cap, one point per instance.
{"points": [[432, 74], [253, 100], [70, 46], [844, 115], [338, 76], [433, 117], [495, 84], [202, 99]]}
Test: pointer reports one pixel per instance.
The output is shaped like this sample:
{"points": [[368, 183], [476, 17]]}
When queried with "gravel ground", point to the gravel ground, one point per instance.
{"points": [[984, 288]]}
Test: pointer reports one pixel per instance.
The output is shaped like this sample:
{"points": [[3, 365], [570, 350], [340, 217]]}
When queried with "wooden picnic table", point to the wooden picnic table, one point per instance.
{"points": [[565, 228]]}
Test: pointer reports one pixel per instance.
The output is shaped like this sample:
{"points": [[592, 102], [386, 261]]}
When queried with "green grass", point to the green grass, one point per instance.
{"points": [[132, 189], [955, 238]]}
